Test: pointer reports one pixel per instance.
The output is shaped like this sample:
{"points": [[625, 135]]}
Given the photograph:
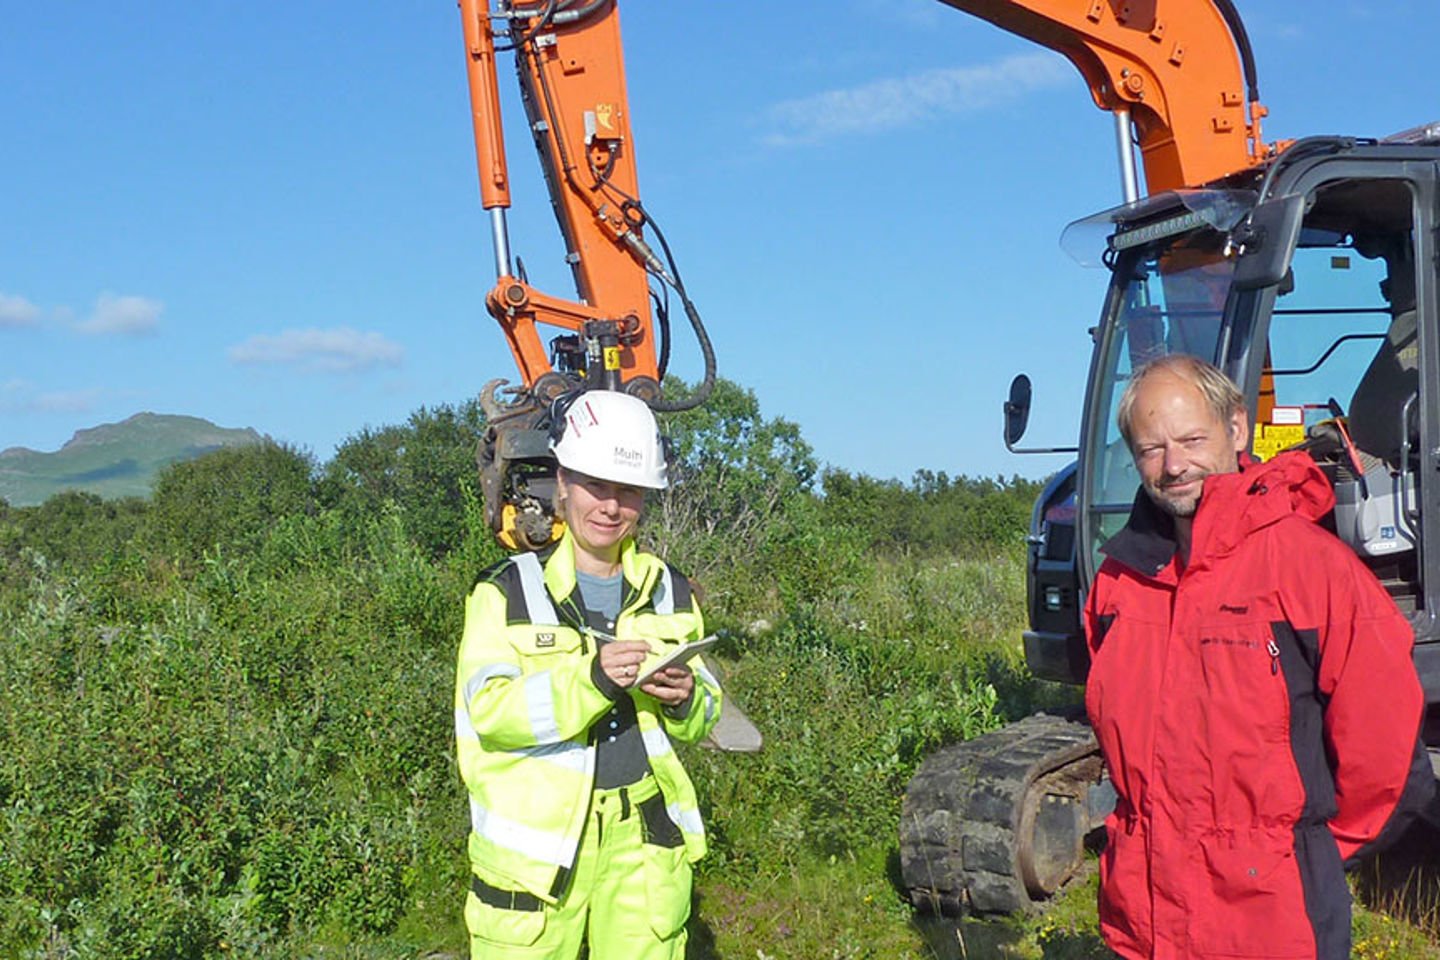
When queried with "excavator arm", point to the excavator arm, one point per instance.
{"points": [[1181, 69], [570, 67], [572, 80], [1178, 71]]}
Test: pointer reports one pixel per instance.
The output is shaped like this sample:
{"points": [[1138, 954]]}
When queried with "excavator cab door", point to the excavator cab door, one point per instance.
{"points": [[1321, 304], [1348, 345], [1340, 375]]}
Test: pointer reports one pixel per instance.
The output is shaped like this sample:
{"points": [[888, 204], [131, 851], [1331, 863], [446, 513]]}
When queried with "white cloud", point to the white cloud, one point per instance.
{"points": [[21, 396], [17, 311], [124, 315], [903, 101], [337, 350], [64, 401]]}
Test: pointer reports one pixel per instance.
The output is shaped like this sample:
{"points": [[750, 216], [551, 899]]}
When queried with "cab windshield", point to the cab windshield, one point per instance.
{"points": [[1168, 297]]}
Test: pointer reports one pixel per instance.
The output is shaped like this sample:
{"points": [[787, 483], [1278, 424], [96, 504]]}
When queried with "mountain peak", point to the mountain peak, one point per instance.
{"points": [[161, 425], [114, 459]]}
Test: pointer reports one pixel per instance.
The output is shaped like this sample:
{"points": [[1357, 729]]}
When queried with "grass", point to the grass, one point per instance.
{"points": [[841, 907], [253, 759], [1398, 898]]}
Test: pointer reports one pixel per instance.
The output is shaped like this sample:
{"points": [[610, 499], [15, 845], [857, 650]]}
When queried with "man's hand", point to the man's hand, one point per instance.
{"points": [[671, 686], [621, 659]]}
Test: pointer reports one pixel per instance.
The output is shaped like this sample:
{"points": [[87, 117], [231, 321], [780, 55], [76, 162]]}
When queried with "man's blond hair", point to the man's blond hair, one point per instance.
{"points": [[1221, 394]]}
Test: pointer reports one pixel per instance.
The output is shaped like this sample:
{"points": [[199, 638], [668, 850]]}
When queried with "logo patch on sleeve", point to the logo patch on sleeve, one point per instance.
{"points": [[544, 639]]}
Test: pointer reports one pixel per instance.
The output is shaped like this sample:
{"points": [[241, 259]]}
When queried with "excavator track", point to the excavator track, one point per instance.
{"points": [[998, 823]]}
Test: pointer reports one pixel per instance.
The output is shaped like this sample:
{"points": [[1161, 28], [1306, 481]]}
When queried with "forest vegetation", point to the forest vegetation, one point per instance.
{"points": [[226, 723]]}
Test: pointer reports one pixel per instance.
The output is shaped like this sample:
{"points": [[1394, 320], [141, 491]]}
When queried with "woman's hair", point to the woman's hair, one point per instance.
{"points": [[557, 506]]}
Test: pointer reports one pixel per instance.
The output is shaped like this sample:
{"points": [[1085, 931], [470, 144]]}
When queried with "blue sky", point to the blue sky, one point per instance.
{"points": [[267, 214]]}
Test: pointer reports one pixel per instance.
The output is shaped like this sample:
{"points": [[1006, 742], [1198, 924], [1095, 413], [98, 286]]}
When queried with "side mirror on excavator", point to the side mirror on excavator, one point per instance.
{"points": [[1017, 411], [1017, 415], [1265, 241]]}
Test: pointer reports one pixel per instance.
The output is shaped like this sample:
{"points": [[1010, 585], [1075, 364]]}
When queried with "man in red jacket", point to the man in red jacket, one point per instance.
{"points": [[1252, 688]]}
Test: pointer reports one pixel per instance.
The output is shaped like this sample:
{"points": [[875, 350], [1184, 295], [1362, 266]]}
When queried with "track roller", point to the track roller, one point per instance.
{"points": [[997, 824]]}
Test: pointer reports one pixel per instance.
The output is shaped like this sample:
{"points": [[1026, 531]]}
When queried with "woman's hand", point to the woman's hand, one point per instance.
{"points": [[621, 659], [671, 686]]}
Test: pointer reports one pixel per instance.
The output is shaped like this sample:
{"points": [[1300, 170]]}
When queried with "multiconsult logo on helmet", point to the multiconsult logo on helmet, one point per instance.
{"points": [[612, 436]]}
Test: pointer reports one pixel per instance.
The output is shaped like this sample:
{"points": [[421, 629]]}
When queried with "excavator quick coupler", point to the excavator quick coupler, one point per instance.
{"points": [[517, 469]]}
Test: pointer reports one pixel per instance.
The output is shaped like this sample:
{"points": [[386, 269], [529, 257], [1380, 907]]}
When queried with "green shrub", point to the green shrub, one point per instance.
{"points": [[424, 468], [235, 728], [736, 482], [73, 527], [852, 689], [935, 514], [227, 500]]}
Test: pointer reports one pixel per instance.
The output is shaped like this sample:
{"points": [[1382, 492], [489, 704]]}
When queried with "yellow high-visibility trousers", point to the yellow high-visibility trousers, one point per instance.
{"points": [[629, 897]]}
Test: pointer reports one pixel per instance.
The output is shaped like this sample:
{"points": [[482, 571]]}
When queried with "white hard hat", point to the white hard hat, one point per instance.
{"points": [[610, 436]]}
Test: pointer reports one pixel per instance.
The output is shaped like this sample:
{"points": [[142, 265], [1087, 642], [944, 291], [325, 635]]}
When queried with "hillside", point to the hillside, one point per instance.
{"points": [[113, 459]]}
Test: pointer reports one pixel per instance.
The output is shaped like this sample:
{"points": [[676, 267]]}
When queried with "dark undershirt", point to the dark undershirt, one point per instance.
{"points": [[619, 752]]}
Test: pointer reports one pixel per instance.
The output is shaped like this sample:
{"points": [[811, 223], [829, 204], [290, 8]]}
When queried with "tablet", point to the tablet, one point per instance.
{"points": [[679, 655]]}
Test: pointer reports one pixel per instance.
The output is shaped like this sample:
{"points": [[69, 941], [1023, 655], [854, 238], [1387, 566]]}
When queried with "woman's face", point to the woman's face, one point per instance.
{"points": [[599, 513]]}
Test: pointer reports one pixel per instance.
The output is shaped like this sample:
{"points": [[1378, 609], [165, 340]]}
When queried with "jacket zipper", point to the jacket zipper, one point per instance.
{"points": [[1274, 650], [571, 617]]}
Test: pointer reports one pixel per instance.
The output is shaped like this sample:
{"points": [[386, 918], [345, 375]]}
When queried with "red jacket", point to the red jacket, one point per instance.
{"points": [[1259, 712]]}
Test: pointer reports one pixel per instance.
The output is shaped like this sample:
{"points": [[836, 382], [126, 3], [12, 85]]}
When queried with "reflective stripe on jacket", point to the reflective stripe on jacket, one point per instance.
{"points": [[526, 696], [1259, 712]]}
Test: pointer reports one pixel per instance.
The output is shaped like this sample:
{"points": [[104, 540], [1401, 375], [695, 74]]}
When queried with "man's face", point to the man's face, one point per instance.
{"points": [[1178, 442]]}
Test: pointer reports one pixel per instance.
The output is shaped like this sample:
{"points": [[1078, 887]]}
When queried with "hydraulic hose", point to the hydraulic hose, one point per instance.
{"points": [[1231, 16], [707, 350], [662, 324], [672, 278], [571, 16], [653, 265]]}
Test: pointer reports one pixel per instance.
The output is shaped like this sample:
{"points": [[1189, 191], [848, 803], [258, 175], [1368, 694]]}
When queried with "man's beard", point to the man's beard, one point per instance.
{"points": [[1181, 507]]}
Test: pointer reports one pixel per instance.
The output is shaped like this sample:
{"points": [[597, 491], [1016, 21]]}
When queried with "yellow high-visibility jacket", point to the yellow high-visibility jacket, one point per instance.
{"points": [[525, 700]]}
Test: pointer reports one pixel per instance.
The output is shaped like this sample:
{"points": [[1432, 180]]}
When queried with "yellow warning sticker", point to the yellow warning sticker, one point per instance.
{"points": [[1271, 438], [612, 358]]}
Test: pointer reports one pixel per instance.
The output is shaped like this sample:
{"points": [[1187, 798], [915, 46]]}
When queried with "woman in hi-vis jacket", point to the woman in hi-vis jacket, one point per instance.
{"points": [[583, 823]]}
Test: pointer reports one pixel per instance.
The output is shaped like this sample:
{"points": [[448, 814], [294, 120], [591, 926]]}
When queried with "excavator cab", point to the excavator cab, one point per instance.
{"points": [[1312, 283], [1310, 280]]}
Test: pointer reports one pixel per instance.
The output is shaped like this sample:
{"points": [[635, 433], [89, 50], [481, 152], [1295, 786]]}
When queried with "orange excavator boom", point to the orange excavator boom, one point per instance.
{"points": [[1180, 69], [570, 65], [615, 332]]}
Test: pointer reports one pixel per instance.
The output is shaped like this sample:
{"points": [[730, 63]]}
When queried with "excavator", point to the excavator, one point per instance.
{"points": [[1305, 269], [570, 67]]}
